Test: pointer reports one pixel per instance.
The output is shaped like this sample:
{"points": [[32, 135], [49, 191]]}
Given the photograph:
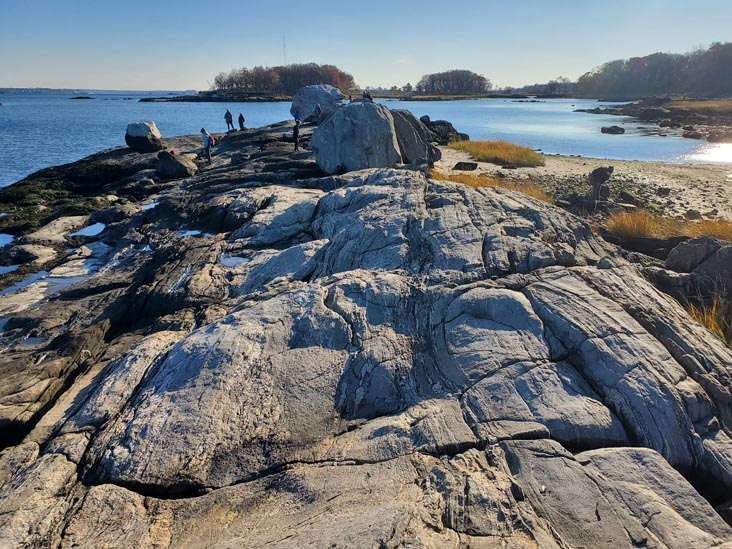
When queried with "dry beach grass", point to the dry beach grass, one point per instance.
{"points": [[529, 189], [500, 152]]}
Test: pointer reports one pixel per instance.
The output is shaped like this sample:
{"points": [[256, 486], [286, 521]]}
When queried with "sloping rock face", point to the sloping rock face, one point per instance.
{"points": [[306, 98], [144, 137], [369, 360], [414, 138], [356, 137]]}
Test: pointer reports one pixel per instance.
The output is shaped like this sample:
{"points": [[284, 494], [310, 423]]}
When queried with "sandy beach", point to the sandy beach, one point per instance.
{"points": [[697, 187]]}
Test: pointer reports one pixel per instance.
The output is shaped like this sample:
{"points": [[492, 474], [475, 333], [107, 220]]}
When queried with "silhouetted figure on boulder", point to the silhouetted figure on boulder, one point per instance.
{"points": [[598, 178], [241, 122], [296, 135], [229, 121]]}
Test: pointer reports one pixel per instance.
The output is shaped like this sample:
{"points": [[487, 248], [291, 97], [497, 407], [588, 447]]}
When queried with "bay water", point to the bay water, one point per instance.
{"points": [[38, 130]]}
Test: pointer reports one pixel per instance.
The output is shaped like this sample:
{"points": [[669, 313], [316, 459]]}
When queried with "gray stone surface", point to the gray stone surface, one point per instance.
{"points": [[414, 138], [144, 137], [355, 137], [373, 359], [306, 98], [174, 166]]}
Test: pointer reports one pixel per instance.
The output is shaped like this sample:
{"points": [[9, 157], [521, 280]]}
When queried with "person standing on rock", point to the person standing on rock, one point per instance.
{"points": [[296, 135], [208, 142], [318, 113], [241, 122], [229, 121]]}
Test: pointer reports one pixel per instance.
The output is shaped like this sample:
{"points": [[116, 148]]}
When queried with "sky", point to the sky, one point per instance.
{"points": [[181, 45]]}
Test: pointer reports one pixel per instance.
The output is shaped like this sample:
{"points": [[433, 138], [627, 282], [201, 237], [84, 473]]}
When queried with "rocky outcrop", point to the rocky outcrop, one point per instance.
{"points": [[174, 166], [414, 138], [614, 130], [144, 137], [357, 136], [273, 357], [307, 98], [444, 132]]}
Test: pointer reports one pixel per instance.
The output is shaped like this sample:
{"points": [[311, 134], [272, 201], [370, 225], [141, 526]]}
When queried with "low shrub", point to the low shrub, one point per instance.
{"points": [[500, 152]]}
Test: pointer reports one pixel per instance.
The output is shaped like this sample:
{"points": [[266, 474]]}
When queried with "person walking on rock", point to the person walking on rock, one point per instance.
{"points": [[208, 142], [241, 122], [229, 121], [296, 135]]}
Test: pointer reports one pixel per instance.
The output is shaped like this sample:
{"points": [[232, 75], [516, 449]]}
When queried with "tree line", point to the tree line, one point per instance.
{"points": [[282, 79], [701, 73], [453, 82]]}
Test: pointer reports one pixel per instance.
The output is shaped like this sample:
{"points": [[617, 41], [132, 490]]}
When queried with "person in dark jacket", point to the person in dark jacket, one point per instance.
{"points": [[229, 120], [296, 135], [241, 122]]}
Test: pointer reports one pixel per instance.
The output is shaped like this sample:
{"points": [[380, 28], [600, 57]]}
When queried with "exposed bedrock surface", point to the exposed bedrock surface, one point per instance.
{"points": [[273, 357]]}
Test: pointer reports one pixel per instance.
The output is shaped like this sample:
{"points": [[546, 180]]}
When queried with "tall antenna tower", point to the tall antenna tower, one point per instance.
{"points": [[284, 49]]}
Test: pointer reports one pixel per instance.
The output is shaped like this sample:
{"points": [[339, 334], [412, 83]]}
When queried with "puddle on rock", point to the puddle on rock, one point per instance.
{"points": [[91, 230], [233, 261], [9, 269]]}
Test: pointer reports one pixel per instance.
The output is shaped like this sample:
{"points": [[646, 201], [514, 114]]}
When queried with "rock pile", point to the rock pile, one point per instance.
{"points": [[276, 357]]}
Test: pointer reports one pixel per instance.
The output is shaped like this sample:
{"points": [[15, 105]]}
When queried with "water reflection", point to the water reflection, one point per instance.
{"points": [[712, 152]]}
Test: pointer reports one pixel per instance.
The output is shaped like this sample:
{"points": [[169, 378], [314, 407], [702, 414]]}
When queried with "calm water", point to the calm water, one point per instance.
{"points": [[40, 130]]}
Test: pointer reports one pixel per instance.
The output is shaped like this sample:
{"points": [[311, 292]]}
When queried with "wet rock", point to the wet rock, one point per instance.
{"points": [[615, 130], [144, 137], [692, 134]]}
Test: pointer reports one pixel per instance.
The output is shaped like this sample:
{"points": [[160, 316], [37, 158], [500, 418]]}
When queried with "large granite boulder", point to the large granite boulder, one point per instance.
{"points": [[414, 138], [144, 137], [373, 359], [355, 137], [329, 98], [174, 166]]}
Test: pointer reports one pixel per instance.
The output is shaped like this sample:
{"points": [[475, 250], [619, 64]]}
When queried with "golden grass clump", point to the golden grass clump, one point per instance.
{"points": [[632, 224], [716, 317], [644, 224], [500, 152], [530, 189]]}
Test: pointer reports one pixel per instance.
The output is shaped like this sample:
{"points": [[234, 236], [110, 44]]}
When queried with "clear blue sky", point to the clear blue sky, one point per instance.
{"points": [[135, 44]]}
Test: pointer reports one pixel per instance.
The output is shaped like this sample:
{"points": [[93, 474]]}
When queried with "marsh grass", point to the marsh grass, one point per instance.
{"points": [[500, 152], [716, 106], [715, 316], [645, 224], [530, 189]]}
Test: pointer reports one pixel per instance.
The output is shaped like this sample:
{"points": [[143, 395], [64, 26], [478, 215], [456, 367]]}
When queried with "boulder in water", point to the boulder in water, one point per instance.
{"points": [[307, 98], [144, 137], [355, 137], [613, 130]]}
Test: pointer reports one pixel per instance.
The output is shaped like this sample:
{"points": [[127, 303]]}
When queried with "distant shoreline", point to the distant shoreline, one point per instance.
{"points": [[234, 97]]}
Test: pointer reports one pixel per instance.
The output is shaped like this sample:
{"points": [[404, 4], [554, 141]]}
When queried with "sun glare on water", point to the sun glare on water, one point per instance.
{"points": [[712, 152]]}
